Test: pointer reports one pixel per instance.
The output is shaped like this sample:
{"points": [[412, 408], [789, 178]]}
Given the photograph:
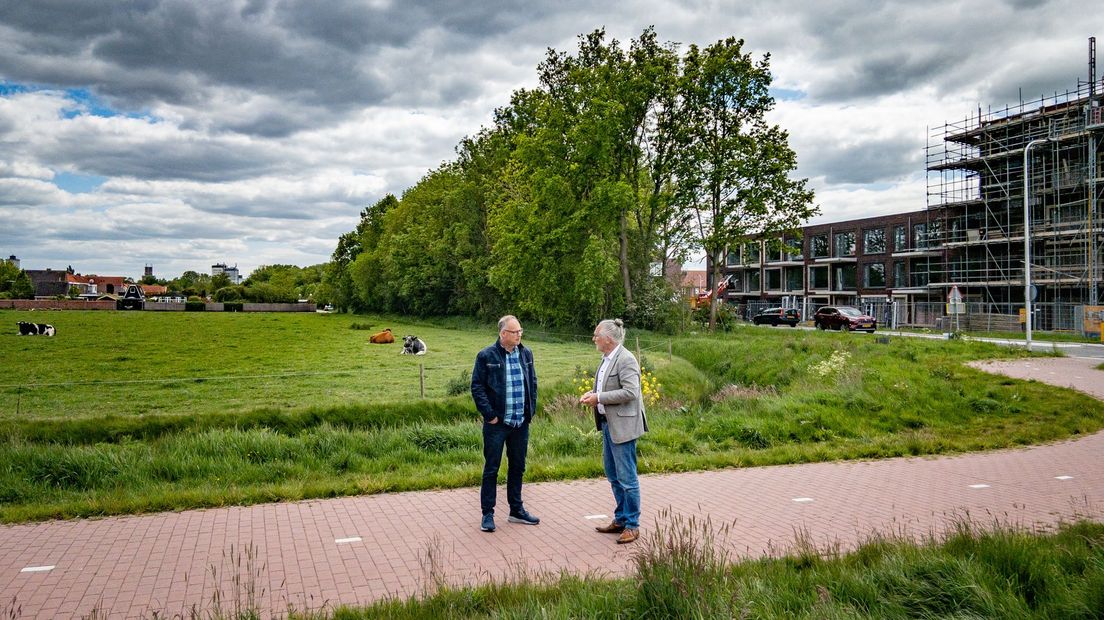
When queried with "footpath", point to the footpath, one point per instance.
{"points": [[357, 550]]}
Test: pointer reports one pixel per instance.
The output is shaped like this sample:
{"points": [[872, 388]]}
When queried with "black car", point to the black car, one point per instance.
{"points": [[844, 318], [777, 316]]}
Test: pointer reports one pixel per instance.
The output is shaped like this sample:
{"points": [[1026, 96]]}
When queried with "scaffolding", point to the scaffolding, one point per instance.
{"points": [[976, 187]]}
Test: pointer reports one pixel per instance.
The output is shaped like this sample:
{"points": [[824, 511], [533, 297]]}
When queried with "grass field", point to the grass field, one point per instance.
{"points": [[100, 445], [198, 363]]}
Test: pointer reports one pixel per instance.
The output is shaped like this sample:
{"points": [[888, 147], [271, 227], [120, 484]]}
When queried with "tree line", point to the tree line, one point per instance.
{"points": [[582, 192], [266, 284]]}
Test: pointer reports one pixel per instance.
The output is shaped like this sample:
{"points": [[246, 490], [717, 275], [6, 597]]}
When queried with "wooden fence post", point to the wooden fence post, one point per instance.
{"points": [[421, 379]]}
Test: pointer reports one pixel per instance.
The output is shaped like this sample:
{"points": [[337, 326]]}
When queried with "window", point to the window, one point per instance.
{"points": [[774, 279], [845, 244], [751, 253], [818, 246], [935, 234], [874, 241], [845, 277], [899, 239], [774, 251], [793, 249], [918, 273], [899, 279], [818, 277], [794, 279], [752, 282], [919, 236], [874, 275], [733, 259]]}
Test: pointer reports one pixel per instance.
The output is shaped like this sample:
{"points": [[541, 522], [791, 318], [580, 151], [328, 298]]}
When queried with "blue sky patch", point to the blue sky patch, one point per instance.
{"points": [[78, 183], [84, 101], [8, 88], [787, 94], [87, 103]]}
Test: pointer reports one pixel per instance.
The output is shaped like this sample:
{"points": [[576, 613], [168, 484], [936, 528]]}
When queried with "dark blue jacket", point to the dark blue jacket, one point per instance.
{"points": [[488, 382]]}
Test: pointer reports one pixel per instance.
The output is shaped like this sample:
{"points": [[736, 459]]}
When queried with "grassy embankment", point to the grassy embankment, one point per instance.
{"points": [[998, 573], [311, 410]]}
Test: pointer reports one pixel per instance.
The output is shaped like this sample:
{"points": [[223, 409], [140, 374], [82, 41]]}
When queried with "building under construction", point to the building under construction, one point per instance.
{"points": [[1045, 156]]}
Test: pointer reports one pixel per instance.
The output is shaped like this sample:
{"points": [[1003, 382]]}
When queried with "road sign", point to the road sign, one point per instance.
{"points": [[955, 305]]}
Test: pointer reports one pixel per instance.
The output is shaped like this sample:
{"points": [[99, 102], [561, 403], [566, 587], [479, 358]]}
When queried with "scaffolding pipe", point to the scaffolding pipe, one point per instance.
{"points": [[1093, 298], [1027, 238]]}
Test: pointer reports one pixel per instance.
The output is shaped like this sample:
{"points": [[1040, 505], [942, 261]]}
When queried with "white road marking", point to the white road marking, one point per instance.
{"points": [[1063, 477], [37, 569], [802, 500], [979, 486], [593, 517], [342, 541]]}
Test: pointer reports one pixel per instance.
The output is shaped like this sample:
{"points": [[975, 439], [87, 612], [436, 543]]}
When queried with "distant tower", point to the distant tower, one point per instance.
{"points": [[149, 270], [14, 261]]}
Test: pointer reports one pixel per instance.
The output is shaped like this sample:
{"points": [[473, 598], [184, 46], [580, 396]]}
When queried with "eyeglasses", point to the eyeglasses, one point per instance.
{"points": [[516, 332]]}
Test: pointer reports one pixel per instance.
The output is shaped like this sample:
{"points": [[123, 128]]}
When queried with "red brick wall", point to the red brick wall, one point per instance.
{"points": [[55, 304]]}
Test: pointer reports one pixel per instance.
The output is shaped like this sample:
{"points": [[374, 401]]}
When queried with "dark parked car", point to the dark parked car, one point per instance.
{"points": [[845, 318], [777, 316]]}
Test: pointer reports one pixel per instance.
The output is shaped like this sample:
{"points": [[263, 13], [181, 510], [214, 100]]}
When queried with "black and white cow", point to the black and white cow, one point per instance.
{"points": [[36, 329], [413, 345]]}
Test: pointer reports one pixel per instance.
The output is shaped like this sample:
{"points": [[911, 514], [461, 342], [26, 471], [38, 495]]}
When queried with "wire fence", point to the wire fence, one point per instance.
{"points": [[1070, 318]]}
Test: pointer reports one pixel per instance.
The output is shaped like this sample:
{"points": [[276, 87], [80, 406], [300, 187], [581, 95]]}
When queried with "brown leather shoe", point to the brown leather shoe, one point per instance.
{"points": [[613, 528], [628, 536]]}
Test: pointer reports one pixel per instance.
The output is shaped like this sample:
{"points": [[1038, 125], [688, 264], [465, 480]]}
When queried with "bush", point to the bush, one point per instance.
{"points": [[229, 293], [459, 385], [657, 306], [726, 316], [194, 306]]}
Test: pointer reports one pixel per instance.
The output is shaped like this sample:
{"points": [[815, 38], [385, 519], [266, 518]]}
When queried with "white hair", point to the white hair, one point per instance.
{"points": [[613, 328]]}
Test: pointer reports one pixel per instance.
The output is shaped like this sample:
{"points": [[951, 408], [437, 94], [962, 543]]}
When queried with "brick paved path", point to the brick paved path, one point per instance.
{"points": [[356, 550]]}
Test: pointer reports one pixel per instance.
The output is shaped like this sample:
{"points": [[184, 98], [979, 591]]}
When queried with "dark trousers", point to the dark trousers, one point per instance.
{"points": [[516, 440]]}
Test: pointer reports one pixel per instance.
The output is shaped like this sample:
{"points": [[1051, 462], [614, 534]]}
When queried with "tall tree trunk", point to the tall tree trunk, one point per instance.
{"points": [[625, 259], [713, 301]]}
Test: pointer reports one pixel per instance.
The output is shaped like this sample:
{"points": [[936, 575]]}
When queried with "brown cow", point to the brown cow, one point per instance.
{"points": [[383, 337]]}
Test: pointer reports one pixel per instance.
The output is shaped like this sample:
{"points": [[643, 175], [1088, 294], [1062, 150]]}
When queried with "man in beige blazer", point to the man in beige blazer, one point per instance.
{"points": [[619, 416]]}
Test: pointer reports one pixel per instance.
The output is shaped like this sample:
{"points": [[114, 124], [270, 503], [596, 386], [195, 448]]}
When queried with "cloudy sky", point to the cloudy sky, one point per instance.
{"points": [[181, 133]]}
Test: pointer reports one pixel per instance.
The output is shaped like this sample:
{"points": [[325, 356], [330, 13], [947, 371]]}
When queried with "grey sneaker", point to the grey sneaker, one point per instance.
{"points": [[522, 516], [488, 523]]}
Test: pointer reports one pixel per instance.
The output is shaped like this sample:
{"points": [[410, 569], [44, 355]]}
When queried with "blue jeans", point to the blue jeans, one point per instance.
{"points": [[619, 461], [516, 441]]}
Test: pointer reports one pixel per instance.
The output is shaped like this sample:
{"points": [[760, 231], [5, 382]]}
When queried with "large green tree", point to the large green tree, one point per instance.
{"points": [[734, 169], [618, 160], [22, 287]]}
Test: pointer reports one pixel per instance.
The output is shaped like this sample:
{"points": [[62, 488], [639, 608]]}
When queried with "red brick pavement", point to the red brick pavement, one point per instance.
{"points": [[356, 550]]}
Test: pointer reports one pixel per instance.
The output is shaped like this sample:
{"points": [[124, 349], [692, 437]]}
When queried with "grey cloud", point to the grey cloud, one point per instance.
{"points": [[270, 124], [322, 56], [868, 162], [885, 74], [207, 161]]}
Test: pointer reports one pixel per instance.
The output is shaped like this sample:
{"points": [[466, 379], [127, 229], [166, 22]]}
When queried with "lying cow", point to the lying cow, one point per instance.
{"points": [[36, 329], [383, 337], [413, 345]]}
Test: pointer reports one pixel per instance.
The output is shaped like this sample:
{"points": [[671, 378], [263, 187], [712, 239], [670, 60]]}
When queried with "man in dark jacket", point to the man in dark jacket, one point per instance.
{"points": [[504, 388]]}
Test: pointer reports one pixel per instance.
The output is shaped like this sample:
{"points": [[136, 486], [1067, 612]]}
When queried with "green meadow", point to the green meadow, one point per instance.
{"points": [[136, 412]]}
